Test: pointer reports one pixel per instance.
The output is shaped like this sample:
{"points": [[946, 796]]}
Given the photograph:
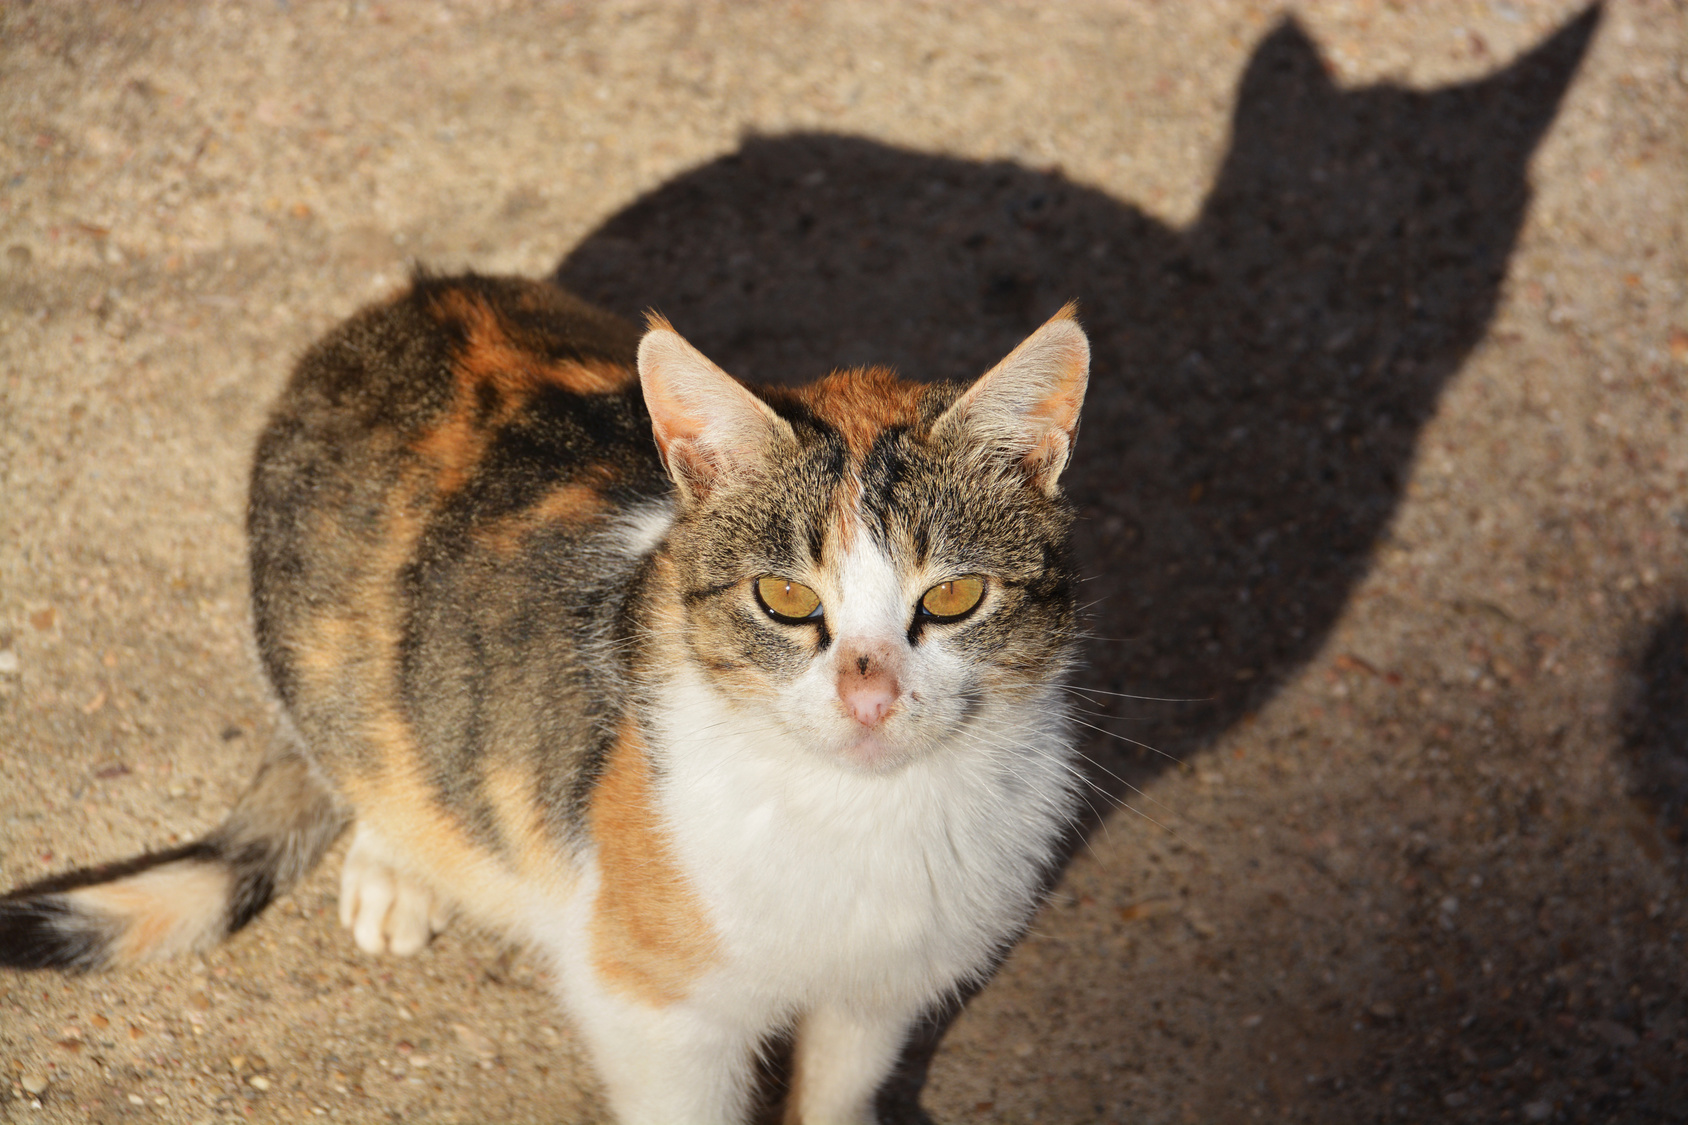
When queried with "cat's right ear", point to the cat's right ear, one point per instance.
{"points": [[1027, 406], [707, 426]]}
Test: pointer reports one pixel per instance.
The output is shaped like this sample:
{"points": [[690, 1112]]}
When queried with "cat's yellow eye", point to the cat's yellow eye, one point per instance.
{"points": [[953, 598], [786, 600]]}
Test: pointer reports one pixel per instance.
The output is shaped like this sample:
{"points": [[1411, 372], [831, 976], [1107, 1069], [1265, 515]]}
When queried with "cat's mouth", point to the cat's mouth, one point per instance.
{"points": [[873, 752]]}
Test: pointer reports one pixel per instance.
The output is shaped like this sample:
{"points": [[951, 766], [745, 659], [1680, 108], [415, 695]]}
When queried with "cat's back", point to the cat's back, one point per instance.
{"points": [[428, 383], [440, 511]]}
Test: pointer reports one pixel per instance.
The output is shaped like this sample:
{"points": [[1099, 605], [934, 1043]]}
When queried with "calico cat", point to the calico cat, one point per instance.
{"points": [[756, 728]]}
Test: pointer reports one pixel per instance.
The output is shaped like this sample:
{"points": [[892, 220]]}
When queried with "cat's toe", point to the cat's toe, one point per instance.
{"points": [[409, 922], [371, 894], [387, 910]]}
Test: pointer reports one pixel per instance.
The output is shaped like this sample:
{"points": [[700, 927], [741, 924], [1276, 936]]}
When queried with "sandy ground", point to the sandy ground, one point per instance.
{"points": [[1384, 467]]}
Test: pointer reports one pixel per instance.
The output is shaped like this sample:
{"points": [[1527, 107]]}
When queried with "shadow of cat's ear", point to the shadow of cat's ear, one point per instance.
{"points": [[1287, 56], [705, 422], [1529, 91], [1028, 405]]}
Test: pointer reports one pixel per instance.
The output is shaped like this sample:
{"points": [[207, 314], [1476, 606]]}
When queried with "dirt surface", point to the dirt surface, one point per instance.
{"points": [[1384, 467]]}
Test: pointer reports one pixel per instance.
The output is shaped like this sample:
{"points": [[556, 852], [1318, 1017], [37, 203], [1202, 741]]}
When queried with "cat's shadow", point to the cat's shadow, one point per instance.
{"points": [[1259, 379]]}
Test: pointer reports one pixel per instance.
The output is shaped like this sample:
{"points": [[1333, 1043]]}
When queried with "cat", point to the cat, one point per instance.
{"points": [[742, 707]]}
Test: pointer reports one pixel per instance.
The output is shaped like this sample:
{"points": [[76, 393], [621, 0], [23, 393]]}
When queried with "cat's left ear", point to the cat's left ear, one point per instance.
{"points": [[1027, 406], [706, 424]]}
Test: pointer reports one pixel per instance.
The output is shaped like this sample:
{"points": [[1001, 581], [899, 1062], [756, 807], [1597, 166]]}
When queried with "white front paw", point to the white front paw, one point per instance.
{"points": [[387, 909]]}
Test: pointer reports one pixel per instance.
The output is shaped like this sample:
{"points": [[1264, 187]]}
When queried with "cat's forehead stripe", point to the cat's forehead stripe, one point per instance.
{"points": [[860, 405], [847, 509]]}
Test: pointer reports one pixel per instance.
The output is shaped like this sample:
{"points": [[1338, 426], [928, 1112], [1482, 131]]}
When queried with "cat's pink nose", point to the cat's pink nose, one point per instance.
{"points": [[867, 684], [868, 704]]}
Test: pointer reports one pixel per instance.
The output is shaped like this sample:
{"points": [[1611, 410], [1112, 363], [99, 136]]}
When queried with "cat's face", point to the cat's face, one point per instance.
{"points": [[874, 567]]}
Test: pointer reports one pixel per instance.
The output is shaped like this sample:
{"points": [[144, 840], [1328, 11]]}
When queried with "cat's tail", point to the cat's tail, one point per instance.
{"points": [[189, 898]]}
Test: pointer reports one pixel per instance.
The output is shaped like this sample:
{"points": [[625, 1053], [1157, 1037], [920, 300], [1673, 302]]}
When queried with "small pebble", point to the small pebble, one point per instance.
{"points": [[8, 662], [1537, 1111], [136, 1099], [33, 1082], [474, 1042], [258, 1082], [1614, 1033], [1254, 1020]]}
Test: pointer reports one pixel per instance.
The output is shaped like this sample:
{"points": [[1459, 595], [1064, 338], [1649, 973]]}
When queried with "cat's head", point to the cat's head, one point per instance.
{"points": [[872, 566]]}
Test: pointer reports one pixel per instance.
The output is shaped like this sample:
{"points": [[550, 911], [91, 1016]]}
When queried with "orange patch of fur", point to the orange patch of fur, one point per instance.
{"points": [[576, 502], [331, 641], [568, 503], [396, 784], [493, 377], [650, 936], [521, 823], [861, 403], [493, 356]]}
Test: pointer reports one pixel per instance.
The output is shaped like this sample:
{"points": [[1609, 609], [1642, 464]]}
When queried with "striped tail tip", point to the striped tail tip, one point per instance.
{"points": [[167, 903], [48, 933], [146, 909]]}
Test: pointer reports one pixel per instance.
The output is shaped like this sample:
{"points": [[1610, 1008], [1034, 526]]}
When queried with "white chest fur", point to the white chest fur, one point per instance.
{"points": [[832, 885]]}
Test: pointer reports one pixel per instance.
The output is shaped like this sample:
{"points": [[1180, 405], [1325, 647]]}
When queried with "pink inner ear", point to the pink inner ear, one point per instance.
{"points": [[674, 429], [681, 457], [675, 377], [1029, 403], [1049, 455], [704, 421], [1061, 409]]}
